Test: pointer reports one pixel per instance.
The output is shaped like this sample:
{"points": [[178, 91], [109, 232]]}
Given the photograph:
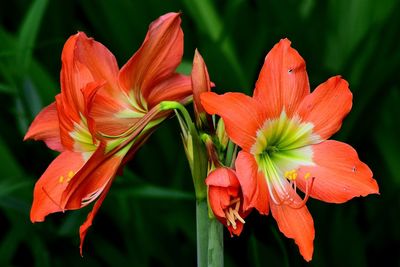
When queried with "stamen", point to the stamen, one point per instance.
{"points": [[289, 198], [236, 200], [302, 203], [230, 217], [61, 179], [238, 217], [233, 214], [237, 206]]}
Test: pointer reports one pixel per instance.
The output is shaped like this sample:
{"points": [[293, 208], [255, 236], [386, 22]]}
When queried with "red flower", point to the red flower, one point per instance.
{"points": [[226, 200], [283, 131], [103, 115]]}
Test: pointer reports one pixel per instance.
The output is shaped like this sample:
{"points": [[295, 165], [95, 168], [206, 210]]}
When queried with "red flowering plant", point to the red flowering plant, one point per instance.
{"points": [[103, 115], [283, 131]]}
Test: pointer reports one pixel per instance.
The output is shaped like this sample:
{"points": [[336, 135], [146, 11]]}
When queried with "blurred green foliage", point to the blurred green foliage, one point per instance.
{"points": [[148, 216]]}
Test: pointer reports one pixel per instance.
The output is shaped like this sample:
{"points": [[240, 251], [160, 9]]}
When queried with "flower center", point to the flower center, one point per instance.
{"points": [[232, 213], [83, 139], [281, 147]]}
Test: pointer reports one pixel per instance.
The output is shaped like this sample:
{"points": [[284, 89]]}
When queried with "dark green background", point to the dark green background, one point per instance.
{"points": [[148, 216]]}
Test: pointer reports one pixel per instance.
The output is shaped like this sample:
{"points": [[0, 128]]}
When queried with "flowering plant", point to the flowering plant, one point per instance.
{"points": [[260, 154]]}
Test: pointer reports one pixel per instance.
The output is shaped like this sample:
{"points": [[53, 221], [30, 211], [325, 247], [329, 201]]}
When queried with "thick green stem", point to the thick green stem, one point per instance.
{"points": [[215, 244], [202, 227], [208, 228]]}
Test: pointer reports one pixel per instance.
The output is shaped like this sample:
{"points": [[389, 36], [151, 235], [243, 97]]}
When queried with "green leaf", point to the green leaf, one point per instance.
{"points": [[13, 171], [209, 22], [386, 135], [185, 67], [154, 192], [28, 33]]}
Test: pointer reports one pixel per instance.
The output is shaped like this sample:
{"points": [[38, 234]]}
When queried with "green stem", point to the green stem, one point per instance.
{"points": [[202, 227], [215, 244], [229, 153], [169, 105]]}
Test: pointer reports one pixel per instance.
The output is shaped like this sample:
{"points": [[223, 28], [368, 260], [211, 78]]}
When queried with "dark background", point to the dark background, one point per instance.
{"points": [[148, 218]]}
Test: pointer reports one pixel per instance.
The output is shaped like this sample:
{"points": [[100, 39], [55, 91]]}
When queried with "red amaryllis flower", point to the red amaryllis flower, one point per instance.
{"points": [[283, 131], [226, 199], [103, 115]]}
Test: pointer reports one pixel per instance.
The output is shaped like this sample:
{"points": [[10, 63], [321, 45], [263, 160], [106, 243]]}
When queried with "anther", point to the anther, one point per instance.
{"points": [[70, 175], [291, 175]]}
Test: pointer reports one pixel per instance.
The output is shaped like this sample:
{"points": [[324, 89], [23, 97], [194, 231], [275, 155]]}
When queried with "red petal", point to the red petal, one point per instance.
{"points": [[49, 188], [200, 80], [104, 110], [157, 58], [175, 88], [283, 81], [241, 116], [327, 106], [339, 174], [252, 182], [85, 226], [98, 60], [222, 177], [219, 199], [221, 181], [74, 77], [91, 180], [89, 93], [238, 230], [296, 224], [46, 127]]}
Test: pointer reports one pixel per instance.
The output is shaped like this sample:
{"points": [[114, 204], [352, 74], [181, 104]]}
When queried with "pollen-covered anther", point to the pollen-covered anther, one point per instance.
{"points": [[69, 176], [232, 214], [291, 175]]}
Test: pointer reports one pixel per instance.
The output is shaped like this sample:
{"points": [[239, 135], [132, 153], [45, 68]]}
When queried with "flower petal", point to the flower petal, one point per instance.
{"points": [[252, 182], [49, 188], [222, 177], [219, 199], [98, 60], [157, 58], [339, 174], [91, 180], [74, 77], [327, 106], [111, 116], [46, 127], [85, 226], [175, 88], [240, 113], [296, 224], [283, 81]]}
